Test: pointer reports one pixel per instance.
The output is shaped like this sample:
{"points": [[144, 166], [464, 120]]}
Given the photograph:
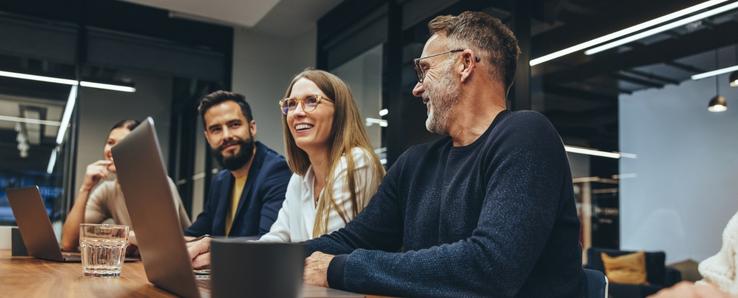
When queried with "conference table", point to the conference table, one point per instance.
{"points": [[30, 277]]}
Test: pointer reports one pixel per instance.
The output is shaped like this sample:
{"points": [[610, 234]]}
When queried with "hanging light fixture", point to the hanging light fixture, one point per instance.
{"points": [[717, 103], [733, 79]]}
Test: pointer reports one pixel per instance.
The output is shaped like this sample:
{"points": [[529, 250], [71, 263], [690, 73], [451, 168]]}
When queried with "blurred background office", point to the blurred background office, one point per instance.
{"points": [[649, 115]]}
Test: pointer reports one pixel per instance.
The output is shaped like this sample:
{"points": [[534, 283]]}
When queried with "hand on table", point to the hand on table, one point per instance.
{"points": [[199, 251], [689, 290], [316, 269]]}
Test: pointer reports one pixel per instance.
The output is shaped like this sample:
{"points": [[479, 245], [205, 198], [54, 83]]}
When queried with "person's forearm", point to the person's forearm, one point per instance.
{"points": [[70, 230]]}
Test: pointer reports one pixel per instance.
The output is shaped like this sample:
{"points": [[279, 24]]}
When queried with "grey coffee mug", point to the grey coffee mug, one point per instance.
{"points": [[241, 268]]}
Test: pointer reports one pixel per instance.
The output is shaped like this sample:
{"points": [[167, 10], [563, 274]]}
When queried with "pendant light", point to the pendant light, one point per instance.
{"points": [[733, 79], [717, 103]]}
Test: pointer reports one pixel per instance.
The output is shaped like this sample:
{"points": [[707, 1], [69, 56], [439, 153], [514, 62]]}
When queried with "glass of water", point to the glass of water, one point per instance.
{"points": [[103, 249]]}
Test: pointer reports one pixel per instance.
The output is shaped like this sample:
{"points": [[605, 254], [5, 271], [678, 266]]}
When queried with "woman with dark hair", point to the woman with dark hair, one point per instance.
{"points": [[100, 198]]}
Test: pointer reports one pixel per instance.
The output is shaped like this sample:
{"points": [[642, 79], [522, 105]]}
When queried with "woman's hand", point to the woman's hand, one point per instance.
{"points": [[96, 171]]}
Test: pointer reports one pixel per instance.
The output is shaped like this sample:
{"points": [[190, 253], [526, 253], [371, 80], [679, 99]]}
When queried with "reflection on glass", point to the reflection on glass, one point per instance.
{"points": [[363, 74]]}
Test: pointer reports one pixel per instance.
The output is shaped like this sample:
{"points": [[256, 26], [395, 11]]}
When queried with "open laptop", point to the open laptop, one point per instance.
{"points": [[35, 226], [143, 180]]}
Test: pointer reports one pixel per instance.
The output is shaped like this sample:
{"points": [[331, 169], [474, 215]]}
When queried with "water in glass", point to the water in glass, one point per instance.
{"points": [[103, 249]]}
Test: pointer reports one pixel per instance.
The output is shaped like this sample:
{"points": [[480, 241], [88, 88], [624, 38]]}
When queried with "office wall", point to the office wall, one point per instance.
{"points": [[100, 109], [263, 66], [681, 190]]}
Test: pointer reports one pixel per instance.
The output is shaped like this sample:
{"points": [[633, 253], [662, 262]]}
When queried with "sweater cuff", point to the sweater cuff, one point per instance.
{"points": [[335, 272]]}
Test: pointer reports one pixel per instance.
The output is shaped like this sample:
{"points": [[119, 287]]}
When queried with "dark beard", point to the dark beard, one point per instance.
{"points": [[240, 159]]}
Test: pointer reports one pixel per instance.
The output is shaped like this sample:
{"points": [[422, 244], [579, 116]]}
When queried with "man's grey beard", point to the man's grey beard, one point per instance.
{"points": [[443, 96]]}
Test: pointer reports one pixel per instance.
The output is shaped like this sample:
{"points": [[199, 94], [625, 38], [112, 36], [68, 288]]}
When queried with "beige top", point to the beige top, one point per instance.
{"points": [[107, 202], [720, 269]]}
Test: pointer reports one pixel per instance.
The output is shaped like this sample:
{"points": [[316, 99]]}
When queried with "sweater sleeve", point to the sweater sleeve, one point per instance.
{"points": [[524, 180], [378, 226]]}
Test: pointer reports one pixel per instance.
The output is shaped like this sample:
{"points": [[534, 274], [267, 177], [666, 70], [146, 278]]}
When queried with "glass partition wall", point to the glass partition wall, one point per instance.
{"points": [[363, 74], [65, 79]]}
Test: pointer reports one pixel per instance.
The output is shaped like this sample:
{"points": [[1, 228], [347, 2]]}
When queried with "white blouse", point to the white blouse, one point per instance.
{"points": [[720, 270], [297, 216]]}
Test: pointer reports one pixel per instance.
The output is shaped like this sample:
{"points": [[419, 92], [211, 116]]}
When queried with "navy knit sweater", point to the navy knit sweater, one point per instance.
{"points": [[495, 218]]}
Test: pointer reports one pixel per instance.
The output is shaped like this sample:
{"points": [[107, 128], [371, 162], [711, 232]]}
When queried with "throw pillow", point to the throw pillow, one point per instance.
{"points": [[626, 269]]}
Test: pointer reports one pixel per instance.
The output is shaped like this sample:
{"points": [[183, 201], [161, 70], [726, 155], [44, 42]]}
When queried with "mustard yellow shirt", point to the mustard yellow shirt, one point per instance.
{"points": [[235, 198]]}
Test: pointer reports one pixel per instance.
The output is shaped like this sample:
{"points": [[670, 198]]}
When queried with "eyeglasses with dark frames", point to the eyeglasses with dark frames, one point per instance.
{"points": [[309, 103], [419, 68]]}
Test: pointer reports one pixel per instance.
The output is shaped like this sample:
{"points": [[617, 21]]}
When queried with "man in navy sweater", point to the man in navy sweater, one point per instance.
{"points": [[487, 211]]}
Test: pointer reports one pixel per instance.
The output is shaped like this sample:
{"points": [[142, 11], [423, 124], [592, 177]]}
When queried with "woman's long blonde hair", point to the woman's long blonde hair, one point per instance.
{"points": [[347, 132]]}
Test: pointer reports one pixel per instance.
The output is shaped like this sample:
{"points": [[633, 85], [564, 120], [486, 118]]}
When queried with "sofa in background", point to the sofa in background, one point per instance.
{"points": [[658, 275]]}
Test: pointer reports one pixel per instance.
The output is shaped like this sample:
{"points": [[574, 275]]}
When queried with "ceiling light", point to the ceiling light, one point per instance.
{"points": [[716, 72], [717, 104], [624, 32], [25, 76], [592, 152], [372, 121], [733, 79], [107, 86], [29, 120], [68, 109], [52, 162], [662, 28]]}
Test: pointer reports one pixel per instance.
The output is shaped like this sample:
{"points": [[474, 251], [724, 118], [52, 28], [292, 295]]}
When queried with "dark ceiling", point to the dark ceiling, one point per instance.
{"points": [[580, 92]]}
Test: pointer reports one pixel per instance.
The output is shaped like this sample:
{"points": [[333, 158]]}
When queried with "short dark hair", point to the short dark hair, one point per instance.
{"points": [[127, 124], [220, 96], [487, 33]]}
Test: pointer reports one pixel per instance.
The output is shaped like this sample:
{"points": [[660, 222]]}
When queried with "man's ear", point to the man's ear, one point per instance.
{"points": [[468, 64], [253, 127]]}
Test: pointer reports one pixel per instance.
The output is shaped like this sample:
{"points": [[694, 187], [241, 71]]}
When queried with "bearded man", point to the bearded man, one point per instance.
{"points": [[245, 197]]}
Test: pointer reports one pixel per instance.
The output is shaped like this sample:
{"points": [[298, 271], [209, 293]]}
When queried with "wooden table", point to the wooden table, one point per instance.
{"points": [[29, 277]]}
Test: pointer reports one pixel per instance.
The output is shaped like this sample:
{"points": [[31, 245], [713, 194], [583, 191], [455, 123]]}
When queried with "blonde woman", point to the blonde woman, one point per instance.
{"points": [[335, 169]]}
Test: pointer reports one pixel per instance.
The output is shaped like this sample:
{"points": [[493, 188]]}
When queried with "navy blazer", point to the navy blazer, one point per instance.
{"points": [[260, 201]]}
